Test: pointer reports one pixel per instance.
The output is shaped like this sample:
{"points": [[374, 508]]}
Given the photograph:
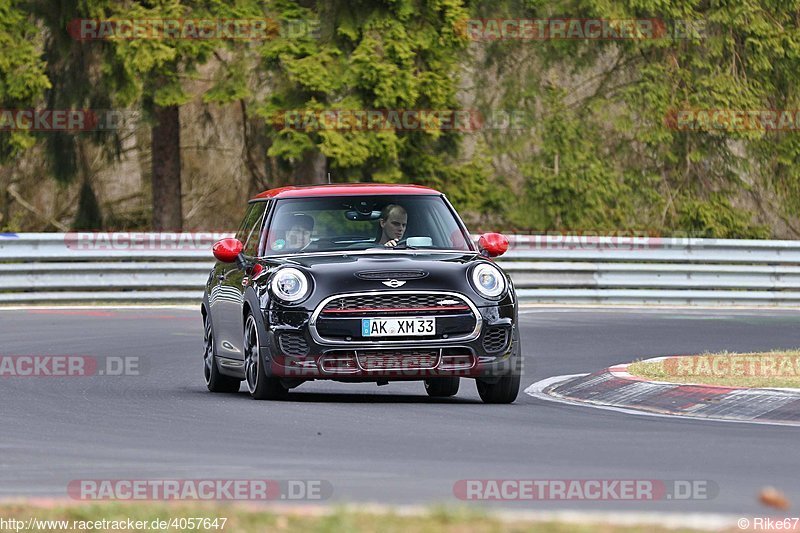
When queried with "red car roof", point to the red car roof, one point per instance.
{"points": [[345, 189]]}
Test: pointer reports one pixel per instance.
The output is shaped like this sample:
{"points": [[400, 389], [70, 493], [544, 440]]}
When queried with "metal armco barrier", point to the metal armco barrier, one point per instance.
{"points": [[137, 267]]}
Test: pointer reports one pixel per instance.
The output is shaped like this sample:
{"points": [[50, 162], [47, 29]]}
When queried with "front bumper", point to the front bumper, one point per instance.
{"points": [[293, 351]]}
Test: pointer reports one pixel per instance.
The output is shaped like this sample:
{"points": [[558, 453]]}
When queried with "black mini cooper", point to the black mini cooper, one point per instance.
{"points": [[359, 283]]}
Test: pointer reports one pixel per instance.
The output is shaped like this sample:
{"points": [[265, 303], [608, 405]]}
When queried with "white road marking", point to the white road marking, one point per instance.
{"points": [[529, 308], [537, 390], [184, 307]]}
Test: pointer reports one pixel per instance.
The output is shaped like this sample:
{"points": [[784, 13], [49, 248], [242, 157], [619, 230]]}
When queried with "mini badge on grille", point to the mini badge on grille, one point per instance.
{"points": [[393, 283]]}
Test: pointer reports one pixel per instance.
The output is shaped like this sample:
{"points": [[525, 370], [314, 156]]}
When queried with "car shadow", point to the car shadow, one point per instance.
{"points": [[338, 397], [345, 397]]}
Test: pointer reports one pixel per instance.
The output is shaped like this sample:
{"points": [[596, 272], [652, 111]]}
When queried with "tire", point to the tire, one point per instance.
{"points": [[442, 387], [215, 381], [259, 384], [504, 391]]}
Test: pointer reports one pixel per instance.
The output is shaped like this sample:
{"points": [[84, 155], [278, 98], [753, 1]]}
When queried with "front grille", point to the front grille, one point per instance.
{"points": [[379, 275], [398, 360], [293, 344], [495, 339], [340, 319], [395, 303]]}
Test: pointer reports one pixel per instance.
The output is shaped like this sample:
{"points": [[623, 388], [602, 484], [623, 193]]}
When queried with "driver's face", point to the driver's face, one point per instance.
{"points": [[395, 225], [297, 237]]}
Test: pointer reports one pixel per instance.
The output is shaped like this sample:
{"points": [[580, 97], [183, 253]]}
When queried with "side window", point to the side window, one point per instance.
{"points": [[244, 227], [249, 230]]}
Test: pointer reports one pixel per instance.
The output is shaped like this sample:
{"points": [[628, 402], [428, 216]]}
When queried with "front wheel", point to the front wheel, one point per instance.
{"points": [[504, 391], [259, 384], [442, 387]]}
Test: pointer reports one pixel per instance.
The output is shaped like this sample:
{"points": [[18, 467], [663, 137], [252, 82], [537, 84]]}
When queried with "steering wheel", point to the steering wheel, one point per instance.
{"points": [[400, 244], [335, 243]]}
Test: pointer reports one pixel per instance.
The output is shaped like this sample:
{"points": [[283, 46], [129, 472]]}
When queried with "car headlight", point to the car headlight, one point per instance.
{"points": [[290, 285], [488, 280]]}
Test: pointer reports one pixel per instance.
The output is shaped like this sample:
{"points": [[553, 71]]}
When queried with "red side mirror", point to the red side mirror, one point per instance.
{"points": [[493, 244], [226, 250]]}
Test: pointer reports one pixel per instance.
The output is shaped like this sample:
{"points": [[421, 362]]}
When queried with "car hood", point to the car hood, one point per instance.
{"points": [[382, 258], [367, 272]]}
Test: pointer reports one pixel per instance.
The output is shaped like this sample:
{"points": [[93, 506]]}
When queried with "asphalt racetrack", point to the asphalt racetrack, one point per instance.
{"points": [[389, 444]]}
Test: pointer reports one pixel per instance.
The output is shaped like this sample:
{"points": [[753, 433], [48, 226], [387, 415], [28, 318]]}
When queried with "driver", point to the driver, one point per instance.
{"points": [[298, 236], [393, 221]]}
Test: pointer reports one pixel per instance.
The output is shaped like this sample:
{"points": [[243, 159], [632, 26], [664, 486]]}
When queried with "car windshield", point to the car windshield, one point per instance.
{"points": [[310, 225]]}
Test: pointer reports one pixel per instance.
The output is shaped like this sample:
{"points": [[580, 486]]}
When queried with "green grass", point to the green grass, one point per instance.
{"points": [[780, 368], [306, 519]]}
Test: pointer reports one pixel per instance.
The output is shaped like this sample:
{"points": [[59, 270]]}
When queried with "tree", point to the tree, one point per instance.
{"points": [[84, 75], [624, 163], [156, 65], [162, 66], [361, 56], [22, 82]]}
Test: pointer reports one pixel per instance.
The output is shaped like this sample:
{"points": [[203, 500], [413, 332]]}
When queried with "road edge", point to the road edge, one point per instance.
{"points": [[613, 388]]}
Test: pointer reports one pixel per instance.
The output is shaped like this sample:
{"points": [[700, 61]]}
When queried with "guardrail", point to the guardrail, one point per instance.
{"points": [[131, 267]]}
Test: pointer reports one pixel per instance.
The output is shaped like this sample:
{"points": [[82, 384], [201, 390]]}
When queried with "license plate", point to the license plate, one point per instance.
{"points": [[397, 327]]}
